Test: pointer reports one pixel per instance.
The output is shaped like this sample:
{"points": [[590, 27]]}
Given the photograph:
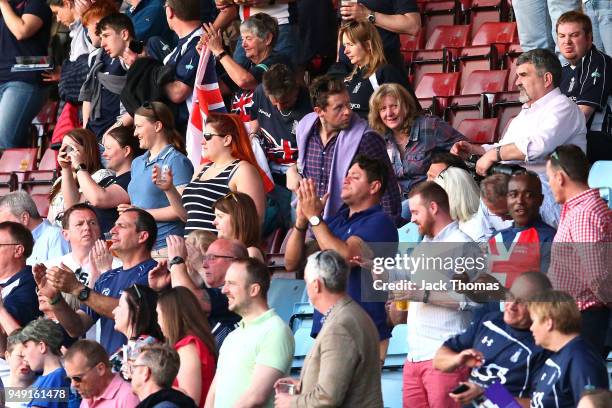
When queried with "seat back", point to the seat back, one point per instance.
{"points": [[461, 107], [600, 176], [506, 107], [437, 13], [456, 36], [445, 84], [481, 81], [48, 160], [490, 33], [284, 294], [18, 159], [42, 203], [479, 131]]}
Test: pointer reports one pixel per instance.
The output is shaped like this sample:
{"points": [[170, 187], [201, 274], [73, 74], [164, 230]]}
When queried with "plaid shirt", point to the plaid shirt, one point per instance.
{"points": [[428, 134], [318, 165], [581, 252]]}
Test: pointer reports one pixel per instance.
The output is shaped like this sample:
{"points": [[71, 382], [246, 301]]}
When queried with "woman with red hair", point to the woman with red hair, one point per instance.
{"points": [[230, 167]]}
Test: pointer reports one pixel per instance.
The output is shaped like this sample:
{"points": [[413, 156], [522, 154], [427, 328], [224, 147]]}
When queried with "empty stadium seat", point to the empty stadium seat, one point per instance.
{"points": [[445, 84], [509, 62], [461, 107], [40, 181], [18, 159], [429, 62], [284, 294], [474, 58], [479, 131], [409, 44], [391, 386], [42, 203], [485, 11], [481, 81], [303, 344], [492, 33], [398, 347], [437, 13], [455, 36], [44, 122], [600, 176]]}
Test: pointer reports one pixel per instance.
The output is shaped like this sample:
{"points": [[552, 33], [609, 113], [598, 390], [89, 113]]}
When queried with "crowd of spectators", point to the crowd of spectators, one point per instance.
{"points": [[147, 282]]}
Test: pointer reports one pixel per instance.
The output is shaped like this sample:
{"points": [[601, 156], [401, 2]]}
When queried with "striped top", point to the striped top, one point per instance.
{"points": [[199, 197]]}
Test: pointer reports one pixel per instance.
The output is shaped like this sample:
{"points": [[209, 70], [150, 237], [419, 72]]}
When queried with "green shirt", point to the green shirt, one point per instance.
{"points": [[265, 341]]}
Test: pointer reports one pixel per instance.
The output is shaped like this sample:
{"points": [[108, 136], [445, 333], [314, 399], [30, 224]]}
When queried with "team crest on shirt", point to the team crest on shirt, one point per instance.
{"points": [[595, 75], [189, 66], [516, 356], [106, 291], [357, 88], [490, 372], [486, 340]]}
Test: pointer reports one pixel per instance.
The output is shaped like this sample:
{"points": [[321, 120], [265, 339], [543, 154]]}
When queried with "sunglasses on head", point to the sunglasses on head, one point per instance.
{"points": [[555, 156], [151, 105]]}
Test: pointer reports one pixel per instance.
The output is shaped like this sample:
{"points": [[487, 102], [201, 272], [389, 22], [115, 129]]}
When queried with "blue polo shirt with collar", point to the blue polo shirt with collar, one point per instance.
{"points": [[149, 19], [113, 283], [144, 194], [19, 296], [371, 225]]}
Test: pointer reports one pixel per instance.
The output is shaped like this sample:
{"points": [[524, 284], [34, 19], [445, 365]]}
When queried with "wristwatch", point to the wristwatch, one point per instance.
{"points": [[177, 260], [221, 55], [372, 17], [314, 220], [498, 150], [84, 294], [80, 167]]}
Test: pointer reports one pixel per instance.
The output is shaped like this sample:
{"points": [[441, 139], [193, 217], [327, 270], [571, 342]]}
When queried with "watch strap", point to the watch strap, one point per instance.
{"points": [[55, 299]]}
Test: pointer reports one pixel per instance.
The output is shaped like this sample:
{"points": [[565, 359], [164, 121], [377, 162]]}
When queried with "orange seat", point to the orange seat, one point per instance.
{"points": [[479, 131], [481, 81], [455, 36], [445, 84], [491, 33]]}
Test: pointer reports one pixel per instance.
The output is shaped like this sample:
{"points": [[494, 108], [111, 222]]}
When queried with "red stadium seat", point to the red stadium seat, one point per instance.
{"points": [[445, 84], [38, 182], [483, 57], [42, 203], [18, 159], [429, 61], [455, 36], [440, 13], [487, 11], [45, 121], [509, 62], [492, 33], [409, 44], [461, 107], [485, 82], [48, 160], [506, 105], [479, 131]]}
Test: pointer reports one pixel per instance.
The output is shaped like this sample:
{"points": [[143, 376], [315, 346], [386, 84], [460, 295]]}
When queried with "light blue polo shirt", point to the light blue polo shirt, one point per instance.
{"points": [[144, 194]]}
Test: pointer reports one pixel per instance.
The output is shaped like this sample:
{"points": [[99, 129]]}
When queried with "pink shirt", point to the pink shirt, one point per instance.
{"points": [[118, 394]]}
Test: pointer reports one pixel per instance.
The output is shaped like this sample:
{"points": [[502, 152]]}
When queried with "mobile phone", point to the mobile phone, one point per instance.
{"points": [[460, 389], [137, 46], [68, 149]]}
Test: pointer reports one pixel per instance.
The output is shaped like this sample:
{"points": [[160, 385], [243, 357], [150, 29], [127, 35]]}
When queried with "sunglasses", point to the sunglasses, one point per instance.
{"points": [[79, 378], [231, 194], [555, 156], [209, 136], [138, 294]]}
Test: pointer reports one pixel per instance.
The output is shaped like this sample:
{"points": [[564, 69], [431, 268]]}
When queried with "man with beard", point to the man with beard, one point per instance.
{"points": [[548, 118], [525, 246], [259, 351], [329, 138]]}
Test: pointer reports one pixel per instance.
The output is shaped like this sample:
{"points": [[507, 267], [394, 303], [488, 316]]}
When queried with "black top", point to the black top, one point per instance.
{"points": [[360, 89], [108, 216], [166, 398], [278, 128], [199, 197], [590, 83], [390, 39], [222, 321]]}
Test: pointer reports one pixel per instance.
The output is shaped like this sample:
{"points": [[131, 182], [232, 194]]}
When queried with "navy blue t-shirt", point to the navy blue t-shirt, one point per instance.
{"points": [[113, 283], [390, 39], [566, 374], [279, 129], [185, 59], [149, 19], [110, 103], [511, 356], [34, 46], [21, 301], [371, 225], [52, 382]]}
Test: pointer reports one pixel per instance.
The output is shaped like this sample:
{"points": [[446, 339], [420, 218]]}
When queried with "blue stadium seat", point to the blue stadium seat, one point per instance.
{"points": [[391, 384], [398, 347], [303, 344], [600, 177], [409, 233], [283, 294]]}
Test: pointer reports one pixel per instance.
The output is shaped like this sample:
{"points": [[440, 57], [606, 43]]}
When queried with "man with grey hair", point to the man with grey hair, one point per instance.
{"points": [[548, 118], [153, 373], [49, 243], [342, 368]]}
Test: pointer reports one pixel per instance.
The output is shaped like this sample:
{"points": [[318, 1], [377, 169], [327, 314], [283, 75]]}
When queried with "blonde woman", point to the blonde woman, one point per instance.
{"points": [[363, 47]]}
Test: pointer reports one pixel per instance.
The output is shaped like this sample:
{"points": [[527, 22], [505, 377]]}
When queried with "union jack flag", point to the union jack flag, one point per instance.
{"points": [[240, 104], [206, 98]]}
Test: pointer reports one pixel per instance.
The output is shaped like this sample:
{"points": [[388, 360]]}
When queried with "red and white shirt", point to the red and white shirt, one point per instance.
{"points": [[582, 250], [284, 13]]}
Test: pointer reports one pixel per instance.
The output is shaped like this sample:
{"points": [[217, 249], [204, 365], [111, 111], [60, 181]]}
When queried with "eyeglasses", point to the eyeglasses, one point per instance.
{"points": [[209, 136], [79, 378], [151, 105], [11, 243], [213, 257]]}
